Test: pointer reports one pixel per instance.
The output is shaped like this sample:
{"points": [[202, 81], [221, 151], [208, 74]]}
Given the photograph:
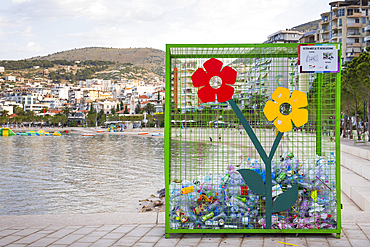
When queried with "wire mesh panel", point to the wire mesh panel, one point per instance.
{"points": [[251, 144]]}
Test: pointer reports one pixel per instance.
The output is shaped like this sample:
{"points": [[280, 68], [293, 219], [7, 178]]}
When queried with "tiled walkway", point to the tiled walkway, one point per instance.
{"points": [[353, 234]]}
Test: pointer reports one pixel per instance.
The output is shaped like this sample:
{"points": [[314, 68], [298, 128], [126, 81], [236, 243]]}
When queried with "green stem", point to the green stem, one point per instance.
{"points": [[249, 131], [266, 159], [269, 181]]}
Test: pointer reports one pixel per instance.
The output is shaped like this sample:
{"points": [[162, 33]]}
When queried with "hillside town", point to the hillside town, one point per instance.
{"points": [[130, 92]]}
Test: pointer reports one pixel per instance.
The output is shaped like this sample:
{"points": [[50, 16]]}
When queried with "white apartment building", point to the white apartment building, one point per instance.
{"points": [[8, 108], [105, 84], [284, 36], [75, 94], [30, 103], [140, 90], [105, 105], [347, 22], [2, 69], [117, 90], [10, 78], [55, 103], [60, 92], [16, 97]]}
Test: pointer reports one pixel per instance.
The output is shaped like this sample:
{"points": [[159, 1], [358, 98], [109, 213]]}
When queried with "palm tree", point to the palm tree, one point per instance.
{"points": [[66, 111], [149, 108], [4, 113]]}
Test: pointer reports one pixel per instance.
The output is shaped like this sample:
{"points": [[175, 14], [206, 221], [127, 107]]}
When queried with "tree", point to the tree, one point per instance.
{"points": [[113, 110], [126, 110], [352, 82], [91, 109], [66, 111], [4, 113], [149, 108], [101, 117], [364, 74], [44, 110], [19, 111], [91, 119], [121, 105], [138, 108]]}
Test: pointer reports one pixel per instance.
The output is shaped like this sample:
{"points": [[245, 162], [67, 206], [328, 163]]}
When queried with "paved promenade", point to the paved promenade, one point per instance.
{"points": [[147, 229]]}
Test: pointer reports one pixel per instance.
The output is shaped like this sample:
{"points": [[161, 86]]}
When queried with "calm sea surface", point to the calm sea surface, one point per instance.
{"points": [[75, 174]]}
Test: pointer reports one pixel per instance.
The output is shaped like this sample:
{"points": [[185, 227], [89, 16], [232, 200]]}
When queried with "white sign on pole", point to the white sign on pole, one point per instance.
{"points": [[319, 58]]}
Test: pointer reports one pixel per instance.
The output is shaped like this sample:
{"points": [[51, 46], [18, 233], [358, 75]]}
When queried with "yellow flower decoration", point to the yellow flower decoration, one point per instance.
{"points": [[283, 122]]}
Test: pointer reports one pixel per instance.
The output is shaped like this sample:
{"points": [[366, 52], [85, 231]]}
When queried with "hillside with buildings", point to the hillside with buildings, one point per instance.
{"points": [[84, 86], [148, 58], [308, 26]]}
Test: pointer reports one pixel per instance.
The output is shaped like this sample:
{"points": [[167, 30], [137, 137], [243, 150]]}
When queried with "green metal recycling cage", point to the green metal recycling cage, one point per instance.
{"points": [[252, 138]]}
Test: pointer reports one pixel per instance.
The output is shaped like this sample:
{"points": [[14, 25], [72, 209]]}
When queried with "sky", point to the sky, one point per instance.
{"points": [[30, 28]]}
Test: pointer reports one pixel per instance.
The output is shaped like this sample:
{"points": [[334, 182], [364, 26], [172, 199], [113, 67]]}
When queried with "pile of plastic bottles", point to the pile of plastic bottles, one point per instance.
{"points": [[214, 201]]}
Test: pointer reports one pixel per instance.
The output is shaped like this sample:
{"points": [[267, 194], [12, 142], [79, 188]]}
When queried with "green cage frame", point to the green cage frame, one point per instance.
{"points": [[192, 48]]}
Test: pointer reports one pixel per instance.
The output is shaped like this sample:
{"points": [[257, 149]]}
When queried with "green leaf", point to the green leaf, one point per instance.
{"points": [[253, 180], [285, 200]]}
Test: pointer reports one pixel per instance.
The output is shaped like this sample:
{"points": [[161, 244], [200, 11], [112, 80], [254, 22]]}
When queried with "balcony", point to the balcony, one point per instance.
{"points": [[367, 28], [323, 22], [353, 34], [336, 35], [353, 44], [355, 15], [367, 38], [324, 31], [354, 55], [354, 25]]}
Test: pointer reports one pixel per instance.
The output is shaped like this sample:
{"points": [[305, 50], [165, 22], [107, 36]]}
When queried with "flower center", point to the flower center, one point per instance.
{"points": [[285, 109], [215, 82]]}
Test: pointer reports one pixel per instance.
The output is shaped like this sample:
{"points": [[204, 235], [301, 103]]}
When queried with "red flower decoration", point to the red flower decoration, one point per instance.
{"points": [[202, 78]]}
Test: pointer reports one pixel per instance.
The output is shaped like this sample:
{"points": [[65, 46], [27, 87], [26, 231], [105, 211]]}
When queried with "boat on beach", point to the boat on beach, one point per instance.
{"points": [[87, 134], [143, 133], [157, 134]]}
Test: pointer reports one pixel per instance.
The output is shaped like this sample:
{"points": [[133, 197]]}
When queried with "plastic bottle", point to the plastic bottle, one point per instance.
{"points": [[235, 216], [237, 190], [220, 216], [332, 159], [217, 191], [230, 226], [207, 216], [175, 225], [225, 179], [235, 203], [245, 220], [174, 189], [281, 177]]}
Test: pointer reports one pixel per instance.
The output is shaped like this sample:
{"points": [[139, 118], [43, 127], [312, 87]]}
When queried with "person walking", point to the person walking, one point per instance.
{"points": [[219, 137]]}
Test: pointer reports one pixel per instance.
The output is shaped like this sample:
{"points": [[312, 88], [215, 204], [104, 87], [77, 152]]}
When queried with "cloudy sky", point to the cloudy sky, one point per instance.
{"points": [[39, 27]]}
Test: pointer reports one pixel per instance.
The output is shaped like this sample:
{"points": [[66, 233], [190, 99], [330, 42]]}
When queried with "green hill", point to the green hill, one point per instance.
{"points": [[149, 58]]}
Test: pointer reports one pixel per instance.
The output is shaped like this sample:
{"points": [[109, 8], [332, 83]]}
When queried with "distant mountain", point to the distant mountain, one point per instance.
{"points": [[149, 58], [308, 26]]}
